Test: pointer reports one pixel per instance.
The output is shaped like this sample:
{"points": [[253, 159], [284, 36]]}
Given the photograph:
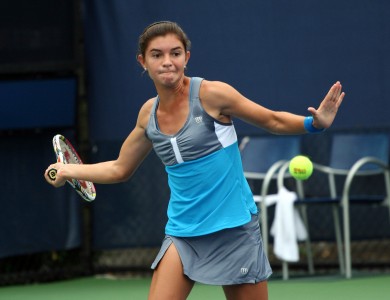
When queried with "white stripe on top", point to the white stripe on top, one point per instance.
{"points": [[175, 147], [226, 134]]}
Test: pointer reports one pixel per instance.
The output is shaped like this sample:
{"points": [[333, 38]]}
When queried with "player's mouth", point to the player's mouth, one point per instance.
{"points": [[166, 72]]}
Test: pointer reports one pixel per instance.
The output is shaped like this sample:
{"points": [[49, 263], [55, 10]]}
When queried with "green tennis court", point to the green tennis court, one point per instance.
{"points": [[318, 288]]}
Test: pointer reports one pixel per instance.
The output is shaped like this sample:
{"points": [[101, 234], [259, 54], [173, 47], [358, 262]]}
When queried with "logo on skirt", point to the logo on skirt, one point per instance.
{"points": [[244, 271]]}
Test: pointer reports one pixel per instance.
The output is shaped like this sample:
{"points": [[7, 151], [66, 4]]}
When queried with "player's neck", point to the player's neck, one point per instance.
{"points": [[171, 96]]}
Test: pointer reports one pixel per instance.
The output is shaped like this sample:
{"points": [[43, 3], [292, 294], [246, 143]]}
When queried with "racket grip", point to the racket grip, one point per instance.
{"points": [[52, 173]]}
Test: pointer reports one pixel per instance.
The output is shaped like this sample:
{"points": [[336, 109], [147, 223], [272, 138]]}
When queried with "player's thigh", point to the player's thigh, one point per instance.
{"points": [[247, 291], [169, 281]]}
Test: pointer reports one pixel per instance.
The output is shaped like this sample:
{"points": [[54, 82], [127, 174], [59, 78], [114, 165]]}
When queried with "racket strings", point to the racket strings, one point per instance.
{"points": [[70, 154], [73, 158]]}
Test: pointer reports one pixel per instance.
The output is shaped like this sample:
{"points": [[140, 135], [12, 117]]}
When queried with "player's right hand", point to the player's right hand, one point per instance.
{"points": [[56, 180]]}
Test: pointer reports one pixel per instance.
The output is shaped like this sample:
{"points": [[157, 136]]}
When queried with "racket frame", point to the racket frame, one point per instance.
{"points": [[85, 189]]}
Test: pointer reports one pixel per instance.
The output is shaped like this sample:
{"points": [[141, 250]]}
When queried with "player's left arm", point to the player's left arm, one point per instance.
{"points": [[223, 101]]}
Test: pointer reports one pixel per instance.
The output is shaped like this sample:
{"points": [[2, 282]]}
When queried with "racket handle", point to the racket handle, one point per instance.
{"points": [[52, 173]]}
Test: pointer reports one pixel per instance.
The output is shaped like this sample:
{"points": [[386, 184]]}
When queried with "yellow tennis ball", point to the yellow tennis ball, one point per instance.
{"points": [[301, 167]]}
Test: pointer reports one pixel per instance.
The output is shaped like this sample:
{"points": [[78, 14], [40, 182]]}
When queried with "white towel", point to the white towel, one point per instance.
{"points": [[287, 227]]}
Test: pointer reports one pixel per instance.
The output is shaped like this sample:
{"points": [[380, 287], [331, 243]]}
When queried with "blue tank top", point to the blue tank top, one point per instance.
{"points": [[208, 189]]}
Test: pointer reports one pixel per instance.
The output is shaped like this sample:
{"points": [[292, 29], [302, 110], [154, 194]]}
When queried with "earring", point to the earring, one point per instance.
{"points": [[145, 69]]}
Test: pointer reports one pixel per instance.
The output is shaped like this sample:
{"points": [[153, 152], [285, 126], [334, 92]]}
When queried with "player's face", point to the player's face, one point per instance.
{"points": [[165, 59]]}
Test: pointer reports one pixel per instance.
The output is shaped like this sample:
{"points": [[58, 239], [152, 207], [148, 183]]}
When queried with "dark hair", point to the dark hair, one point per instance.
{"points": [[161, 28]]}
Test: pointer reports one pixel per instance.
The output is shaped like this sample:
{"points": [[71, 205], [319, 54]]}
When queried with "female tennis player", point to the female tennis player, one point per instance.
{"points": [[212, 233]]}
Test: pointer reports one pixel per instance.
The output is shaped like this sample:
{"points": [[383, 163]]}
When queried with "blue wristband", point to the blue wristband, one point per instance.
{"points": [[308, 124]]}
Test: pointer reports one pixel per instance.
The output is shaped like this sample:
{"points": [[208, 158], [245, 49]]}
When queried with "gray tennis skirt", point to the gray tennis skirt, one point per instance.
{"points": [[230, 256]]}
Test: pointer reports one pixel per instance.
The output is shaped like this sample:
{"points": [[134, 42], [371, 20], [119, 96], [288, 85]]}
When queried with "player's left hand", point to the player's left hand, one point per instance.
{"points": [[323, 116]]}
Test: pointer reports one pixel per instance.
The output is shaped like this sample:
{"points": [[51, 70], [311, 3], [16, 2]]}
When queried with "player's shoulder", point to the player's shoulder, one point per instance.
{"points": [[213, 84], [144, 113], [148, 104], [214, 89]]}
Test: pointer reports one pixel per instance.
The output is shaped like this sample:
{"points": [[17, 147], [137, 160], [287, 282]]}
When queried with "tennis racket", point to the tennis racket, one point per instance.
{"points": [[66, 154]]}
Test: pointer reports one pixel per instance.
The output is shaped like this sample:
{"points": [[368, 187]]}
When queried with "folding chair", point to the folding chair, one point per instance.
{"points": [[262, 157], [352, 155]]}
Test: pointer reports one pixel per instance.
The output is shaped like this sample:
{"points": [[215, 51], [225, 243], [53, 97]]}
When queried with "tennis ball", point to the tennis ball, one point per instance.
{"points": [[301, 167]]}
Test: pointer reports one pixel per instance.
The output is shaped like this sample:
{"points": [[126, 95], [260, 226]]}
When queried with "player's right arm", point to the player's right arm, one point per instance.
{"points": [[133, 151]]}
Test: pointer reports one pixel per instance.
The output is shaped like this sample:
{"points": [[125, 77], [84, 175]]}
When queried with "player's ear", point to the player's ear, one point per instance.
{"points": [[188, 54], [141, 61]]}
